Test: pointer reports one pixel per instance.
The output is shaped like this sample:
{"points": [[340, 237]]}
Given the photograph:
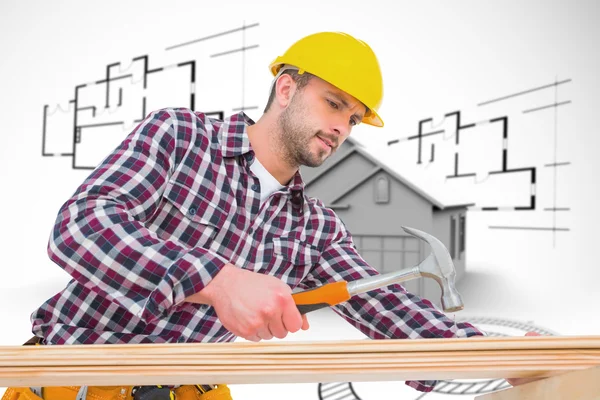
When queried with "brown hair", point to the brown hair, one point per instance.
{"points": [[300, 79]]}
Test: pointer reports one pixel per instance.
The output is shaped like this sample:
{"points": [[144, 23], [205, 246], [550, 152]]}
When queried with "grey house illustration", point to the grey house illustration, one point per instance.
{"points": [[374, 201]]}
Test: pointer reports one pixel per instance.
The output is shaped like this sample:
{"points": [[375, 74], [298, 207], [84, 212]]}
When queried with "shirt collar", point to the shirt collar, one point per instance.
{"points": [[296, 184], [233, 136]]}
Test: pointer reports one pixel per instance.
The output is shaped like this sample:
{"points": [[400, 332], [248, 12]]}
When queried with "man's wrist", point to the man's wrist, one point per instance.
{"points": [[205, 296]]}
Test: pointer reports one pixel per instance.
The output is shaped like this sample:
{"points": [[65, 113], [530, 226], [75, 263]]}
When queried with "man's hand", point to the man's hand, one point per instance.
{"points": [[522, 381], [252, 305]]}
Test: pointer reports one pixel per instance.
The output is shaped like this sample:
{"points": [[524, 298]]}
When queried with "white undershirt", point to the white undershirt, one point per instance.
{"points": [[268, 183]]}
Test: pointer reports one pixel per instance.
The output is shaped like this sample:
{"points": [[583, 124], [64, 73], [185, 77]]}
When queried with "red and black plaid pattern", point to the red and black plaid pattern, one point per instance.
{"points": [[172, 204]]}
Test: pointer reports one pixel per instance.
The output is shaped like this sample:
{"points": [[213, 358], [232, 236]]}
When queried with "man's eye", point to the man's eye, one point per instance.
{"points": [[353, 122], [332, 104]]}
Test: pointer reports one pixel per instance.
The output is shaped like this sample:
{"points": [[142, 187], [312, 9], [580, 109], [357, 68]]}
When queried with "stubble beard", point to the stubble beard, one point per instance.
{"points": [[295, 137]]}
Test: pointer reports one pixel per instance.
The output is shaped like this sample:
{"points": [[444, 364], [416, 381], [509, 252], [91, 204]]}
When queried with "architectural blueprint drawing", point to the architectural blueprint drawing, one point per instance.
{"points": [[207, 74], [505, 153]]}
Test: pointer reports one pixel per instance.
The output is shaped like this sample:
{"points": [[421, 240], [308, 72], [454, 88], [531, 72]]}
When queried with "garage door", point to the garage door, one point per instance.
{"points": [[391, 253]]}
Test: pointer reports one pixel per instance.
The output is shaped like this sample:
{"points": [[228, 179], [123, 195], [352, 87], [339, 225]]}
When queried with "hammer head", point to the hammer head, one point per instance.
{"points": [[439, 266]]}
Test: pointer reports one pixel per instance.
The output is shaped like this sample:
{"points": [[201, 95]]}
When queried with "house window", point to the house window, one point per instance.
{"points": [[382, 190], [462, 232], [453, 237]]}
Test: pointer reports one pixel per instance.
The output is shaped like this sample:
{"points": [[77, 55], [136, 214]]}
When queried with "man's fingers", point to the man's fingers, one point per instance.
{"points": [[253, 338], [305, 324], [277, 328], [264, 333], [292, 320]]}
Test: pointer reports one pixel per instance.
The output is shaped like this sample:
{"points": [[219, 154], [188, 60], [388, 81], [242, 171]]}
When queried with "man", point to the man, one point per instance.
{"points": [[198, 230]]}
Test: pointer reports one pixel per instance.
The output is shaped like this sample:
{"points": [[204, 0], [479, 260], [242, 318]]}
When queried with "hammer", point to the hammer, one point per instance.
{"points": [[438, 265]]}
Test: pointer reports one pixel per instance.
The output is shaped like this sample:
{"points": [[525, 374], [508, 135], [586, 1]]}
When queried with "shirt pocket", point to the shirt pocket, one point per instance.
{"points": [[293, 259], [194, 220]]}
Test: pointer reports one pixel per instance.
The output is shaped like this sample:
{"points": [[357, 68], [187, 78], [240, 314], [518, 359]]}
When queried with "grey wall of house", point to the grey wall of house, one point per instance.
{"points": [[365, 217], [405, 208], [340, 178]]}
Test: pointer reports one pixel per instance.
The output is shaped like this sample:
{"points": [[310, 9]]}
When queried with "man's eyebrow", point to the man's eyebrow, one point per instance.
{"points": [[344, 102]]}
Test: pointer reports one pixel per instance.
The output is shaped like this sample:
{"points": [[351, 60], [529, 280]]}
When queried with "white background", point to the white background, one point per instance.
{"points": [[436, 57]]}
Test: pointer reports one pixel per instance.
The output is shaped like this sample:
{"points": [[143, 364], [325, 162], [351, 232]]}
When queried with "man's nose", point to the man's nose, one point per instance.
{"points": [[341, 126]]}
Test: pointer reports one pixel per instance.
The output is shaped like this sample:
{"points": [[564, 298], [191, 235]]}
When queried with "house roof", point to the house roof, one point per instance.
{"points": [[382, 164]]}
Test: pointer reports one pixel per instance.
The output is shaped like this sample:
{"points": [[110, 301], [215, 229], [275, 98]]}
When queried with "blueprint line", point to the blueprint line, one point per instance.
{"points": [[530, 228], [212, 36], [234, 51], [548, 106], [523, 92]]}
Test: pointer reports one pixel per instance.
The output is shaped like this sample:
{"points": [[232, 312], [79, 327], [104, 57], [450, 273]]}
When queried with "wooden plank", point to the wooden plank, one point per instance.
{"points": [[110, 376], [217, 366], [41, 360], [326, 347], [577, 385], [192, 375], [289, 362]]}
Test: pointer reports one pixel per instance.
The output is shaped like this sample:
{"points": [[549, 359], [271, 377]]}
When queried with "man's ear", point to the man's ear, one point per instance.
{"points": [[285, 87]]}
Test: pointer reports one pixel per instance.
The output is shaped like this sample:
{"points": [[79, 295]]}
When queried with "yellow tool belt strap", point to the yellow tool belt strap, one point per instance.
{"points": [[186, 392]]}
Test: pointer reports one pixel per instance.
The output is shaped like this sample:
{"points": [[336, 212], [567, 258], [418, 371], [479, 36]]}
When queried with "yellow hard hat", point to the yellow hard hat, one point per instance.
{"points": [[342, 60]]}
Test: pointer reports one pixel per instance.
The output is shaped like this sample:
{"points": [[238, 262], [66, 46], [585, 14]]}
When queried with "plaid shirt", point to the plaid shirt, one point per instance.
{"points": [[175, 202]]}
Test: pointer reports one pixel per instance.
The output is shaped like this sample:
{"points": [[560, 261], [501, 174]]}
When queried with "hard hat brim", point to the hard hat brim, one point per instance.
{"points": [[371, 118]]}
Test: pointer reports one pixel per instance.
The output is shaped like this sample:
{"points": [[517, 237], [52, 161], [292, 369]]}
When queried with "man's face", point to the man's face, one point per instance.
{"points": [[317, 121]]}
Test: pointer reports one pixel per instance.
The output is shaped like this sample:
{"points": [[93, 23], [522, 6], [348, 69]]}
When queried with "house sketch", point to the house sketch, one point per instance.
{"points": [[503, 153], [464, 165], [104, 111], [374, 202]]}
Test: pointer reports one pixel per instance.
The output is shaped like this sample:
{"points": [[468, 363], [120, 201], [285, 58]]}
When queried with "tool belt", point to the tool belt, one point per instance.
{"points": [[158, 392]]}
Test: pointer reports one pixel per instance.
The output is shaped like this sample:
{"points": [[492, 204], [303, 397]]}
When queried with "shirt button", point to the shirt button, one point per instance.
{"points": [[204, 307], [192, 211], [255, 187]]}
